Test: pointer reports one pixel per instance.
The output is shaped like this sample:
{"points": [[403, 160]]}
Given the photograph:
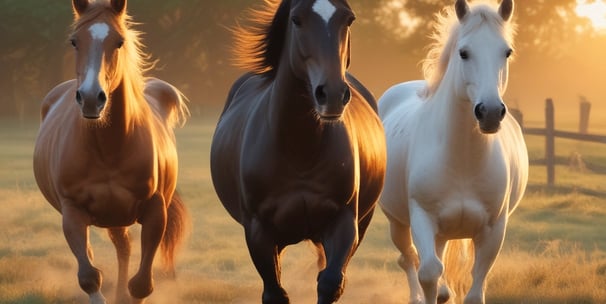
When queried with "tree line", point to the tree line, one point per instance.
{"points": [[191, 41]]}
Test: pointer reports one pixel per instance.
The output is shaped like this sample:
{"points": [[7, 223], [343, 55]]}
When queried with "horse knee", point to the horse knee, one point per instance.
{"points": [[430, 272]]}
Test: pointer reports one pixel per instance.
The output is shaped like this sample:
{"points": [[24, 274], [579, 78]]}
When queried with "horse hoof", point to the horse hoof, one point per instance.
{"points": [[140, 288], [279, 297], [444, 294], [443, 298]]}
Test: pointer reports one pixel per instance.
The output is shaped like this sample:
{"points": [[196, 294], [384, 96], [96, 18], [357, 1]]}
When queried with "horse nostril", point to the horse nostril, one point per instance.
{"points": [[346, 96], [78, 97], [479, 111], [503, 111], [320, 95], [102, 97]]}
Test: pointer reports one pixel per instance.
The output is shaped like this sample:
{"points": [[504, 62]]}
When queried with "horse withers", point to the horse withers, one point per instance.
{"points": [[299, 150], [457, 163], [105, 154]]}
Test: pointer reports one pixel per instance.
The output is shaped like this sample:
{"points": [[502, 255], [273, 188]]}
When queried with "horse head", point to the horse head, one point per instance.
{"points": [[319, 46], [482, 53], [97, 39]]}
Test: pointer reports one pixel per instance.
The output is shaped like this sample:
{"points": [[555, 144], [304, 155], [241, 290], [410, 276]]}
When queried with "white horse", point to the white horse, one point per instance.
{"points": [[457, 163]]}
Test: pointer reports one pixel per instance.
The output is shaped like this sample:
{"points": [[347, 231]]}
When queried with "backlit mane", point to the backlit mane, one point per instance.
{"points": [[134, 62], [448, 30], [259, 43]]}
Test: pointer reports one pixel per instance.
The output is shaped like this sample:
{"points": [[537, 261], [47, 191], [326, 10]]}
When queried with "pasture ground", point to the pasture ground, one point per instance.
{"points": [[555, 250]]}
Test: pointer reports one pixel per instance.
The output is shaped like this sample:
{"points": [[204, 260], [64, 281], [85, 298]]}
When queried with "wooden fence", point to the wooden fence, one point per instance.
{"points": [[550, 133]]}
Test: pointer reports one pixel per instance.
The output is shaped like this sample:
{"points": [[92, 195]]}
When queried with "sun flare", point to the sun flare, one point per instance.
{"points": [[595, 11]]}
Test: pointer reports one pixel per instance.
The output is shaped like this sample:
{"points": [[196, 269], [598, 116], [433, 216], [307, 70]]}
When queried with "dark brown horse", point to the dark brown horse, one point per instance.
{"points": [[299, 151], [105, 153]]}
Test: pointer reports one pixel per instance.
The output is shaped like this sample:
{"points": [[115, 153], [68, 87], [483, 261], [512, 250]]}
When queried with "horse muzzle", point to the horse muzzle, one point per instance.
{"points": [[489, 117], [91, 105], [331, 102]]}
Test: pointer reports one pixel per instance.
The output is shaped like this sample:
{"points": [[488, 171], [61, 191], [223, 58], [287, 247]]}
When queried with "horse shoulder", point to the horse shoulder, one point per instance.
{"points": [[399, 94], [54, 96], [166, 100], [397, 108], [235, 88], [228, 141]]}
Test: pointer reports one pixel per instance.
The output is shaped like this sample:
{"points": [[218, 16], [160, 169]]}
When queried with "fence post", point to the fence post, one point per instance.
{"points": [[550, 142], [585, 109]]}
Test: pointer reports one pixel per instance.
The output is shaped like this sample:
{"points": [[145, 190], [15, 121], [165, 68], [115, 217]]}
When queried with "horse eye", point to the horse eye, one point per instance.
{"points": [[73, 42], [464, 55], [296, 21], [120, 44], [508, 53]]}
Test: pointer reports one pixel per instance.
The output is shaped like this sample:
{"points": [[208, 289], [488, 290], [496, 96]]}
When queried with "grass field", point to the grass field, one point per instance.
{"points": [[555, 250]]}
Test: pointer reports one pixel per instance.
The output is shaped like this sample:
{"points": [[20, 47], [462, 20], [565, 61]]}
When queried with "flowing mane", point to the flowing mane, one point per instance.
{"points": [[448, 29], [258, 44], [136, 61]]}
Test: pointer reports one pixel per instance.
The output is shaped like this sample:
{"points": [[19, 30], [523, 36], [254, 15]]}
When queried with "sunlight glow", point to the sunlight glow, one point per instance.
{"points": [[394, 17], [594, 11]]}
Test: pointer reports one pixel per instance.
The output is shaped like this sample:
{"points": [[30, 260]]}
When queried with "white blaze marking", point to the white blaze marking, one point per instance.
{"points": [[325, 9], [88, 80], [99, 31]]}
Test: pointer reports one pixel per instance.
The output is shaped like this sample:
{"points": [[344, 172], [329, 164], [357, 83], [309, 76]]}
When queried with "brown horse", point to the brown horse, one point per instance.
{"points": [[105, 153], [299, 151]]}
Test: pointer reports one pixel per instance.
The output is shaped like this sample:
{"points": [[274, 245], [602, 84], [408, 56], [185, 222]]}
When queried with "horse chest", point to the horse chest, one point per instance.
{"points": [[109, 191], [463, 196], [299, 204]]}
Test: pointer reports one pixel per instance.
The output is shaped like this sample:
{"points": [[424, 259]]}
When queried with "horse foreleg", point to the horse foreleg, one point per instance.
{"points": [[339, 244], [75, 229], [444, 292], [487, 246], [153, 223], [408, 260], [121, 240], [431, 268], [265, 255]]}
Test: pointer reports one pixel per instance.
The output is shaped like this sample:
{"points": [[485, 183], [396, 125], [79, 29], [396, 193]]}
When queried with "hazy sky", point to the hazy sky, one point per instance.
{"points": [[563, 70]]}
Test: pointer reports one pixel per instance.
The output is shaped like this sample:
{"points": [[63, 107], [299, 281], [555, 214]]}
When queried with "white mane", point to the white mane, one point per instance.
{"points": [[448, 30]]}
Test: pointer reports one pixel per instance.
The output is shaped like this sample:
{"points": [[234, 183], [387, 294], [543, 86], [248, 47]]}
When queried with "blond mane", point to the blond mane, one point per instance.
{"points": [[258, 44], [448, 29], [136, 62]]}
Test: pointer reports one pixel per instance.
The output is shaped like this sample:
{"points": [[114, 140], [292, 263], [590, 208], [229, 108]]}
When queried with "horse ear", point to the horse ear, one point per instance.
{"points": [[506, 9], [119, 6], [462, 8], [79, 6]]}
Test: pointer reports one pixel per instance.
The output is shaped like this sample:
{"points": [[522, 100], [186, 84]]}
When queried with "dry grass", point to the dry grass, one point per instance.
{"points": [[555, 251]]}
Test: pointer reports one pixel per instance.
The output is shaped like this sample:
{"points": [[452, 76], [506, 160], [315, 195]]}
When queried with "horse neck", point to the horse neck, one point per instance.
{"points": [[454, 122], [123, 116], [291, 112]]}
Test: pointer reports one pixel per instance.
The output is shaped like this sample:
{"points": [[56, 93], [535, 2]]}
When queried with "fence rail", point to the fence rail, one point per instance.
{"points": [[551, 133], [601, 139]]}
